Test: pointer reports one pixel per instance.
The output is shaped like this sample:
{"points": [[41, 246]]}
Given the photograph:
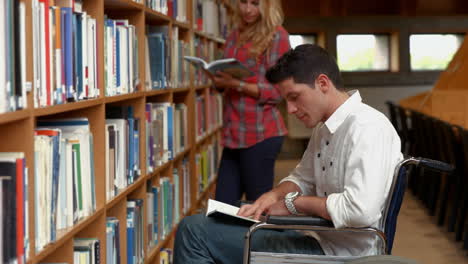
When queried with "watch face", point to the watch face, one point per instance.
{"points": [[291, 195]]}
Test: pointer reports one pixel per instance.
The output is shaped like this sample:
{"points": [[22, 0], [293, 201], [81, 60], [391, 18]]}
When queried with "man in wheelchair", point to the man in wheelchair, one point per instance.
{"points": [[344, 176]]}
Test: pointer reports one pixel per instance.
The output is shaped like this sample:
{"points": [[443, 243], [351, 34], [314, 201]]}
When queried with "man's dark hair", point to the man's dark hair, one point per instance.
{"points": [[304, 64]]}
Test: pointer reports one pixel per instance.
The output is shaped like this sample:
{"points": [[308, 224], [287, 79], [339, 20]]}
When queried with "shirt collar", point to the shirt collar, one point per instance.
{"points": [[342, 112]]}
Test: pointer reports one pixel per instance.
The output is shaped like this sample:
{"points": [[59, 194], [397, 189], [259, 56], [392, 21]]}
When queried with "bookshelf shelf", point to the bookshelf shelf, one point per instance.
{"points": [[117, 98], [201, 87], [209, 37], [124, 193], [152, 15], [181, 90], [14, 116], [123, 4], [182, 25], [68, 234], [95, 78], [56, 109]]}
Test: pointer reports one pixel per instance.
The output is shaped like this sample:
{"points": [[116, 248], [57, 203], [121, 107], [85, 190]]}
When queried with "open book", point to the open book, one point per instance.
{"points": [[227, 209], [230, 66]]}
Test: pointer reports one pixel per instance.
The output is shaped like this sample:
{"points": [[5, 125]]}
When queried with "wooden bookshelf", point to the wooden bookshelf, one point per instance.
{"points": [[17, 133]]}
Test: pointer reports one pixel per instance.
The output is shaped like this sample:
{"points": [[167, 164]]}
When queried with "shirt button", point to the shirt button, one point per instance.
{"points": [[331, 163], [327, 142], [323, 168], [318, 155]]}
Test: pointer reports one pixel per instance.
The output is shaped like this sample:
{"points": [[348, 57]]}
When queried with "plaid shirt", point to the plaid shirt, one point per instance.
{"points": [[247, 120]]}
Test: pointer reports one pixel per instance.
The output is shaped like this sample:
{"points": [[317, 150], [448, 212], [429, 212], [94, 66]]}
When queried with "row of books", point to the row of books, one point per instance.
{"points": [[211, 17], [176, 9], [120, 57], [122, 137], [13, 84], [135, 249], [64, 53], [166, 256], [162, 213], [64, 190], [208, 113], [86, 251], [164, 64], [208, 51], [167, 202], [206, 162], [166, 132], [14, 229]]}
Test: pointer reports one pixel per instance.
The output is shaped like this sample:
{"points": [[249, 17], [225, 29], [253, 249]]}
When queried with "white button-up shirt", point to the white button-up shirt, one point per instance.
{"points": [[350, 160]]}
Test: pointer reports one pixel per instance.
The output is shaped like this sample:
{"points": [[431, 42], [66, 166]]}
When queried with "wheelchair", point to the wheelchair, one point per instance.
{"points": [[385, 232]]}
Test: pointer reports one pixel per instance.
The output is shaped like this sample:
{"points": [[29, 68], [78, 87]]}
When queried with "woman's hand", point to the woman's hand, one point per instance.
{"points": [[225, 80], [261, 205]]}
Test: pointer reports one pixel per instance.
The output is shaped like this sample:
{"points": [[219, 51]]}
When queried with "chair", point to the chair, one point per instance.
{"points": [[386, 232]]}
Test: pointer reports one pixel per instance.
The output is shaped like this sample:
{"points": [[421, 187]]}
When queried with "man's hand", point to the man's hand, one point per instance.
{"points": [[261, 205], [278, 208]]}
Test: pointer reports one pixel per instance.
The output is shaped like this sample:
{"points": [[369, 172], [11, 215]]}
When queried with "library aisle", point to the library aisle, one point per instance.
{"points": [[417, 237]]}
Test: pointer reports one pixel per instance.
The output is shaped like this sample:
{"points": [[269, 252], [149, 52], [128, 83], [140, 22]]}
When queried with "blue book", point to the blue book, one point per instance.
{"points": [[130, 232], [157, 60], [131, 143], [78, 29], [67, 46], [155, 191]]}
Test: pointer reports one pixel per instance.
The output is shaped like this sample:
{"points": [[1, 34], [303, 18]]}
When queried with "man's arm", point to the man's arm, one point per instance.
{"points": [[263, 204]]}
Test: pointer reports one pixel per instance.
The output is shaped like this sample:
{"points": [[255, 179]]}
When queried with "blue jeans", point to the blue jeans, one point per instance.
{"points": [[220, 239], [247, 170]]}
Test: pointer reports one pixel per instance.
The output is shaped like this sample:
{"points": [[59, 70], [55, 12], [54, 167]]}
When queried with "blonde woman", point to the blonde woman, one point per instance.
{"points": [[252, 135], [253, 128]]}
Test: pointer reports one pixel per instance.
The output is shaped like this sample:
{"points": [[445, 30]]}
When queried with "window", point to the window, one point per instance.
{"points": [[363, 52], [297, 40], [433, 51]]}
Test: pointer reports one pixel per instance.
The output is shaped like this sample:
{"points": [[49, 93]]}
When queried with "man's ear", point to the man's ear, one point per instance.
{"points": [[323, 83]]}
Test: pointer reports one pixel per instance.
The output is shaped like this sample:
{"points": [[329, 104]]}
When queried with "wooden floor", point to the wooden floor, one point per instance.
{"points": [[417, 237]]}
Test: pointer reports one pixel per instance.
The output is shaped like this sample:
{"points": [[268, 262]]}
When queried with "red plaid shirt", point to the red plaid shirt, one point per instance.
{"points": [[248, 120]]}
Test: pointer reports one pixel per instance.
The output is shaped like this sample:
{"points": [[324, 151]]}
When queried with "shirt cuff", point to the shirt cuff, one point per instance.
{"points": [[333, 210], [298, 183]]}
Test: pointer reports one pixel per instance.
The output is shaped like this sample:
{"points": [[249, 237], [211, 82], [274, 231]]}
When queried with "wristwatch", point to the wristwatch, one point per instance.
{"points": [[241, 86], [289, 202]]}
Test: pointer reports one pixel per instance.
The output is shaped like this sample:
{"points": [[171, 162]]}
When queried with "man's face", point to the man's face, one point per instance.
{"points": [[306, 103]]}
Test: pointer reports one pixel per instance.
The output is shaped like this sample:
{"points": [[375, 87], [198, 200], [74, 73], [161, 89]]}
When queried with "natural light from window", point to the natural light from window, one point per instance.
{"points": [[296, 40], [433, 51], [363, 52]]}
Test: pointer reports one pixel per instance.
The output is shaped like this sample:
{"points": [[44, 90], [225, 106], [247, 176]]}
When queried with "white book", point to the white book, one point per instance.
{"points": [[226, 209], [107, 155], [3, 90], [36, 53], [229, 65], [85, 51], [69, 183], [90, 57], [42, 51], [130, 39], [121, 148], [147, 67]]}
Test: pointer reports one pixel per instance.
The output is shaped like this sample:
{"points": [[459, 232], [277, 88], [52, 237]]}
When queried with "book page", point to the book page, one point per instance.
{"points": [[227, 209]]}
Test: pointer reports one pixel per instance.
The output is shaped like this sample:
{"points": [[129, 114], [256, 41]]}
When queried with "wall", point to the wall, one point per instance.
{"points": [[374, 96]]}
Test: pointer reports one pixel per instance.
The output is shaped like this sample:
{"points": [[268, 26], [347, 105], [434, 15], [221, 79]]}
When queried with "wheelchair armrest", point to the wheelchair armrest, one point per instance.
{"points": [[436, 165], [298, 220]]}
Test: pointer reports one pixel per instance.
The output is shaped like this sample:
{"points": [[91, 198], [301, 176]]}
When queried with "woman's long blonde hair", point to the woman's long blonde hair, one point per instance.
{"points": [[261, 32]]}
